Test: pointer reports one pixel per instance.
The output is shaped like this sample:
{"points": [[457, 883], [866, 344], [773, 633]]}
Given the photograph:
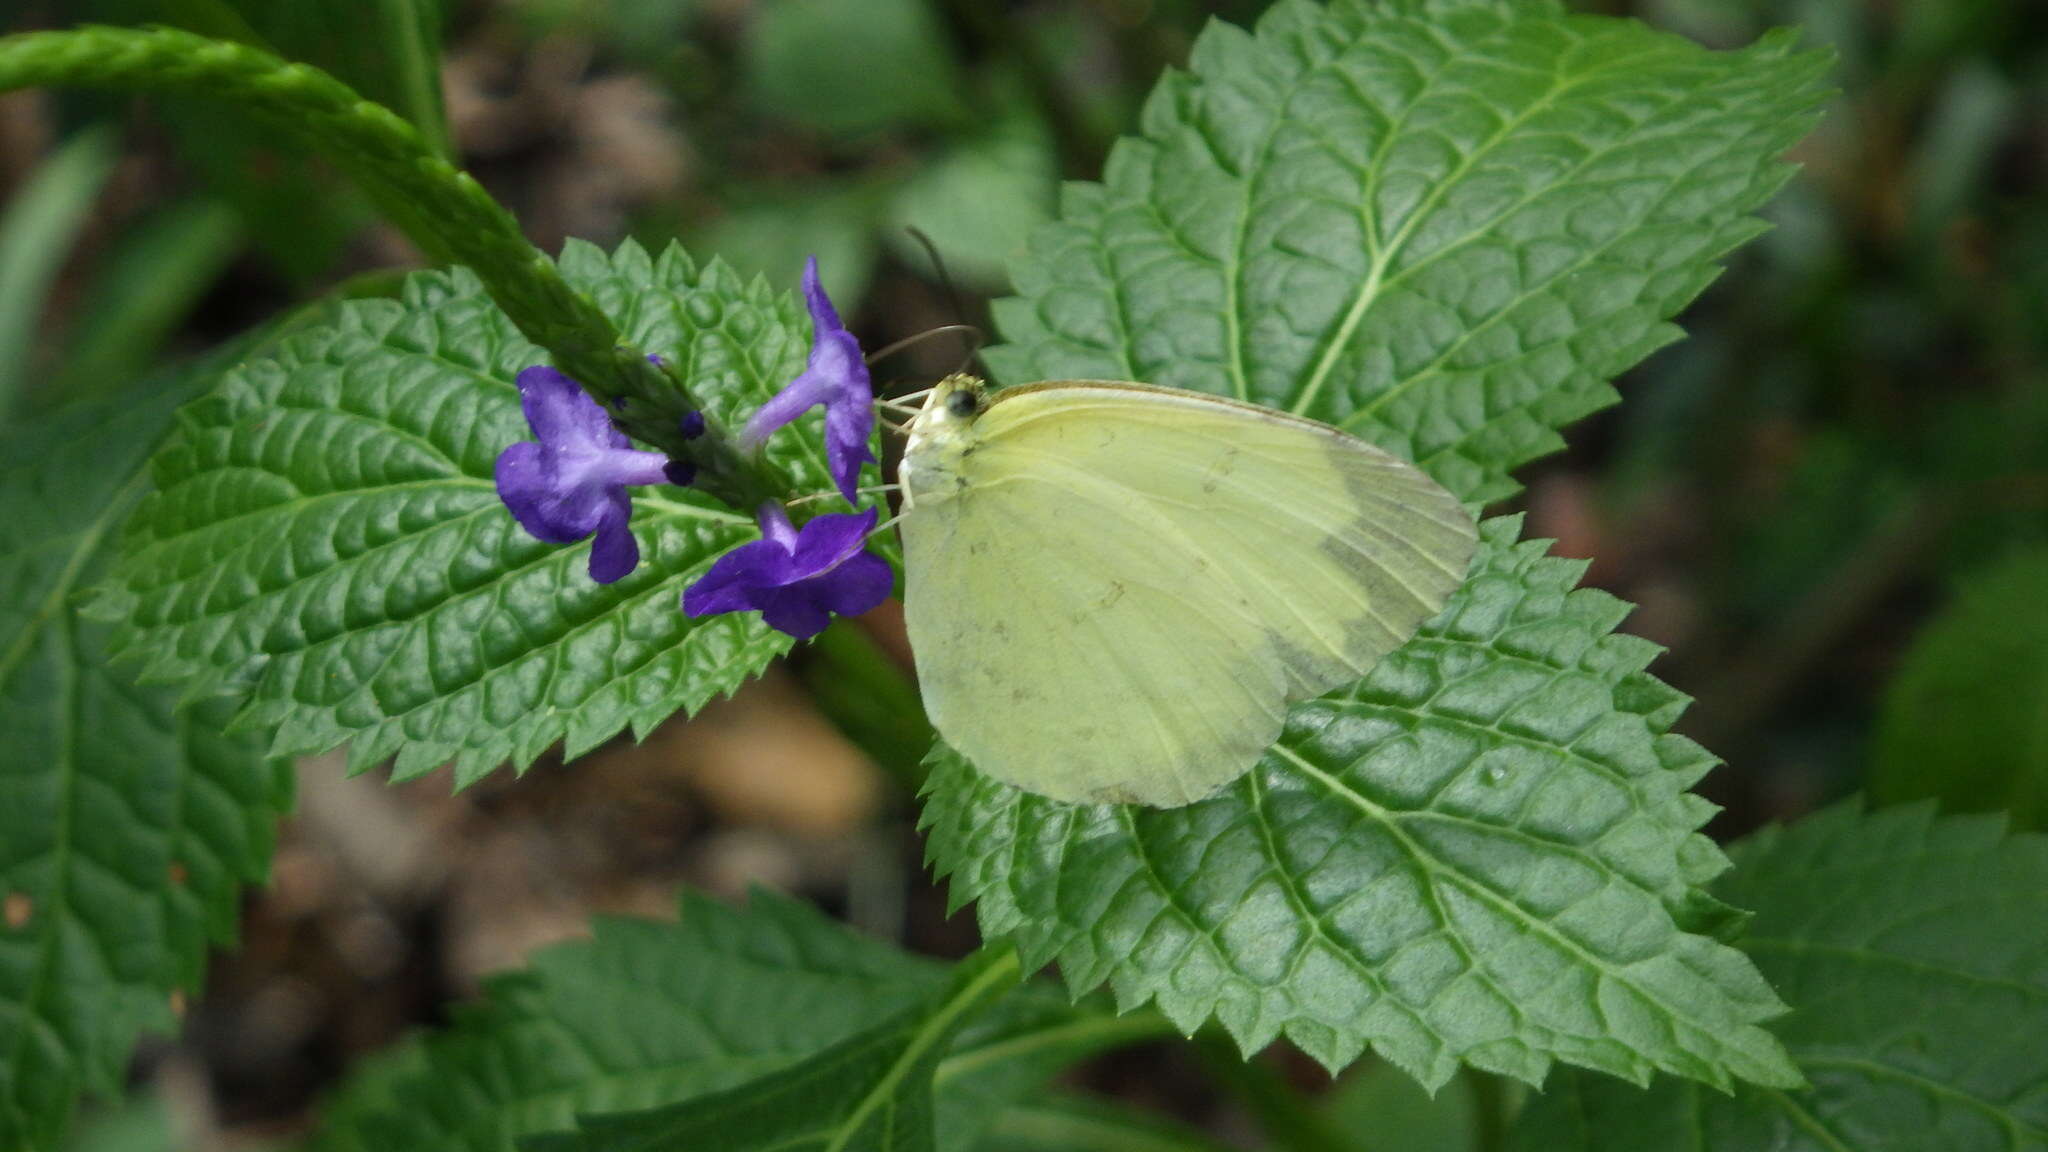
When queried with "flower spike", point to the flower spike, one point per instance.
{"points": [[571, 481], [836, 377]]}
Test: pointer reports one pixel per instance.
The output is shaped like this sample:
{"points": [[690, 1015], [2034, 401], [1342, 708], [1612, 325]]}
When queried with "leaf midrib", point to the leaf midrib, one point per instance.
{"points": [[1813, 1124], [1384, 256], [929, 1031], [87, 543], [1429, 863], [1352, 421], [56, 900], [1879, 1070]]}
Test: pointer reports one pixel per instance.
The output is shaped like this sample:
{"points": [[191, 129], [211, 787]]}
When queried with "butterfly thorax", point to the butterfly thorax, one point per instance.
{"points": [[941, 438]]}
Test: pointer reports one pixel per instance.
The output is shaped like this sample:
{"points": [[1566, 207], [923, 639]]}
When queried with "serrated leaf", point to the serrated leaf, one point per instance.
{"points": [[126, 829], [1966, 718], [871, 1092], [1913, 947], [1482, 853], [650, 1013], [326, 537], [1443, 225]]}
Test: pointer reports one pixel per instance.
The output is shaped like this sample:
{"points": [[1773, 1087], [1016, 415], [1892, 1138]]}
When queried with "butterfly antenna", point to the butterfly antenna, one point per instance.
{"points": [[938, 266], [952, 294], [973, 350], [974, 341]]}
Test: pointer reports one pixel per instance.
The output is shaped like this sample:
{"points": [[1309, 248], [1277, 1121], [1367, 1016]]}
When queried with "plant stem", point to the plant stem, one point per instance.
{"points": [[863, 692], [440, 207]]}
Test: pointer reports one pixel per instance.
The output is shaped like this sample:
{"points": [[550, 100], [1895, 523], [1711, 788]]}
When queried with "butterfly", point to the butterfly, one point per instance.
{"points": [[1113, 591]]}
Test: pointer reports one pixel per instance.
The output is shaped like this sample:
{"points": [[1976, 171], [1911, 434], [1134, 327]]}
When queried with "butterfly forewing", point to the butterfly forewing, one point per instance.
{"points": [[1127, 585]]}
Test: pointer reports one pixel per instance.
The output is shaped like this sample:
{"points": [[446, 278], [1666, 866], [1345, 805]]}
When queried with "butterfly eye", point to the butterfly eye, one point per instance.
{"points": [[962, 404]]}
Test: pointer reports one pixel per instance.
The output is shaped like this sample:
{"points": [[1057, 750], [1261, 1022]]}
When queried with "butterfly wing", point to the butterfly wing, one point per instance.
{"points": [[1129, 584]]}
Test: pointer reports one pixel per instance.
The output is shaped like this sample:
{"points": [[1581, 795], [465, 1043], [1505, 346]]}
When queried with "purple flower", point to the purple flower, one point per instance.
{"points": [[573, 482], [796, 578], [836, 377]]}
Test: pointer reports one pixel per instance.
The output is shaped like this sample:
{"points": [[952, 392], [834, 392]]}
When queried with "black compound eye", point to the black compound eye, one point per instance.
{"points": [[962, 403]]}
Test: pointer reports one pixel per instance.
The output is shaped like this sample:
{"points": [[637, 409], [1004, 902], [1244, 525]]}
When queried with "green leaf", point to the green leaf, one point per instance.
{"points": [[979, 202], [850, 66], [1483, 852], [871, 1092], [648, 1013], [128, 827], [147, 285], [327, 539], [768, 232], [1443, 225], [36, 231], [1913, 947], [1966, 718]]}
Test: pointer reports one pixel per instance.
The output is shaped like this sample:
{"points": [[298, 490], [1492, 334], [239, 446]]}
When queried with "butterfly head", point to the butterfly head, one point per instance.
{"points": [[955, 401], [948, 413], [941, 437]]}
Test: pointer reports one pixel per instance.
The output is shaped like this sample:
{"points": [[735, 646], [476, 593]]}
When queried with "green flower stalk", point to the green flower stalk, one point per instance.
{"points": [[443, 210]]}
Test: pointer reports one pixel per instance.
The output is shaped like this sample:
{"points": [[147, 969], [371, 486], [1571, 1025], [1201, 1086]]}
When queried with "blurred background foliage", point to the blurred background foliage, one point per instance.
{"points": [[1830, 503]]}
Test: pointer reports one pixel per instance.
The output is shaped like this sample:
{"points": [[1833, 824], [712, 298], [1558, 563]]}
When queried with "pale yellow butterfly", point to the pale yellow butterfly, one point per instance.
{"points": [[1114, 590]]}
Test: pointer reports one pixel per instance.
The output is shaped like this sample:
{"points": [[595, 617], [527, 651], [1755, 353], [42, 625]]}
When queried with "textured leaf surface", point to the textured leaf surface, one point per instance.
{"points": [[1444, 225], [1916, 950], [1483, 852], [649, 1013], [125, 829], [327, 539], [1966, 718], [871, 1092]]}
